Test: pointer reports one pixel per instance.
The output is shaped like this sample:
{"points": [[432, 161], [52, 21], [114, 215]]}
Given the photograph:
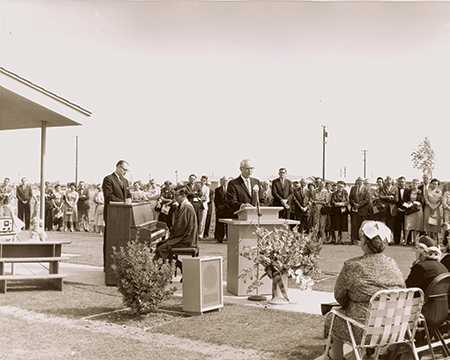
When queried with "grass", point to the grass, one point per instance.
{"points": [[282, 334], [277, 334]]}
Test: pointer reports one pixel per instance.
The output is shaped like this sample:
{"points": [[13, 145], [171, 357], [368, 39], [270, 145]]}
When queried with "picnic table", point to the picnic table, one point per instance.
{"points": [[31, 252]]}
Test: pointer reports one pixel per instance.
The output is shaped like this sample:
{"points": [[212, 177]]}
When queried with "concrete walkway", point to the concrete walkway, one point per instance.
{"points": [[300, 301]]}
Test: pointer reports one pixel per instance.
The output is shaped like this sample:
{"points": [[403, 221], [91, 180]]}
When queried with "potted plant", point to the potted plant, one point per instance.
{"points": [[282, 253]]}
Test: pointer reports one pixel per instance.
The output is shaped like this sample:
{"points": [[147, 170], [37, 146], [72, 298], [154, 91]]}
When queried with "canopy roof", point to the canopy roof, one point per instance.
{"points": [[24, 104]]}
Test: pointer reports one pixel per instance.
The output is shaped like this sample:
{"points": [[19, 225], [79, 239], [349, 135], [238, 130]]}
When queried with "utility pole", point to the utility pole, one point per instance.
{"points": [[365, 162], [324, 141], [176, 176], [345, 172], [76, 161]]}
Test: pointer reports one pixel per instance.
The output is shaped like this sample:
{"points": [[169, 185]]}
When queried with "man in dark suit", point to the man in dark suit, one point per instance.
{"points": [[281, 192], [184, 231], [299, 204], [243, 191], [24, 195], [389, 198], [116, 189], [359, 199], [195, 196], [399, 220], [222, 209]]}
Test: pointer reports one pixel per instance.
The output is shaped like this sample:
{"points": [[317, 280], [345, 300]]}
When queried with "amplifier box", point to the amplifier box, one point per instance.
{"points": [[202, 284]]}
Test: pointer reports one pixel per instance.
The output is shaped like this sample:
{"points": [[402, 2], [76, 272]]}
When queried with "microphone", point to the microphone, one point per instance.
{"points": [[256, 190]]}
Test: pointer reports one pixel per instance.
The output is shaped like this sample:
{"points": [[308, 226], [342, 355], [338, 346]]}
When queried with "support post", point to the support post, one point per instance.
{"points": [[324, 141], [42, 187], [76, 161]]}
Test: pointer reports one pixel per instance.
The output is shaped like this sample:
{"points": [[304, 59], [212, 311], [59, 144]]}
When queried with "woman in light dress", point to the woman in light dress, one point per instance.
{"points": [[99, 202], [446, 210], [432, 210], [70, 207]]}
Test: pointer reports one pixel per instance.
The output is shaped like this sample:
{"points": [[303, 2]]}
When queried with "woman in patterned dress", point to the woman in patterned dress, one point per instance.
{"points": [[70, 207], [359, 279], [58, 208], [432, 210]]}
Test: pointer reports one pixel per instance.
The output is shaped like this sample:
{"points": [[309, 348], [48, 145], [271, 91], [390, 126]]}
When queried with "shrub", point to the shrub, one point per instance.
{"points": [[143, 282]]}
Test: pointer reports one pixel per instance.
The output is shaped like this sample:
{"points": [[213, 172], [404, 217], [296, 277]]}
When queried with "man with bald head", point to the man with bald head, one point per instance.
{"points": [[242, 192]]}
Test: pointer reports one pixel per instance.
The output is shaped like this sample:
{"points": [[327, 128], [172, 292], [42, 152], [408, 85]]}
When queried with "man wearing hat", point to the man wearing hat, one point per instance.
{"points": [[359, 199]]}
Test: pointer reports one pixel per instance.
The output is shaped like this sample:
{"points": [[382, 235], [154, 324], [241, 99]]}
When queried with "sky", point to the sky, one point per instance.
{"points": [[195, 87]]}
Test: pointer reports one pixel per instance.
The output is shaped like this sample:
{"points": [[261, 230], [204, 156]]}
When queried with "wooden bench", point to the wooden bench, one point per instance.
{"points": [[31, 252]]}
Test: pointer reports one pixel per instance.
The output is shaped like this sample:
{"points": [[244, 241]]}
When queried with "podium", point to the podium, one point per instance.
{"points": [[241, 233], [123, 224]]}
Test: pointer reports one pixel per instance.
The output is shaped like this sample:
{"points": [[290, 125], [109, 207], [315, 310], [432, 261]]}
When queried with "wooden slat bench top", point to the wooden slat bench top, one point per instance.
{"points": [[21, 243], [31, 277], [30, 259]]}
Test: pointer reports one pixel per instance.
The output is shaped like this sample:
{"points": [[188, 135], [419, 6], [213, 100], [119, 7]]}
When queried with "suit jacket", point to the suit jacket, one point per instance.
{"points": [[238, 194], [184, 231], [390, 204], [24, 194], [280, 192], [114, 190], [361, 201], [222, 209], [299, 198], [402, 199]]}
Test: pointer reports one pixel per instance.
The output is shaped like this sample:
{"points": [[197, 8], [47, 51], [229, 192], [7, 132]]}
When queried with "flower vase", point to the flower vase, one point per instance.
{"points": [[279, 289]]}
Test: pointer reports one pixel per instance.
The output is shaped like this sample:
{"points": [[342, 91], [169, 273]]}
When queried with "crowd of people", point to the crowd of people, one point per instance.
{"points": [[326, 208]]}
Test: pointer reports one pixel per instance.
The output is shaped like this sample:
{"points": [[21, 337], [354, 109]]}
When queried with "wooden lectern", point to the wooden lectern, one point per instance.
{"points": [[240, 233], [122, 225]]}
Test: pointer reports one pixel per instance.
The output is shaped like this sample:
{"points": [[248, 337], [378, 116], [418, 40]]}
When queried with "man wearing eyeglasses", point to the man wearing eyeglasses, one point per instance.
{"points": [[115, 188], [243, 191]]}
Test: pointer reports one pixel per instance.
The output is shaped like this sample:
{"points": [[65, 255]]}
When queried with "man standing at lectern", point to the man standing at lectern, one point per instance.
{"points": [[115, 188], [243, 191]]}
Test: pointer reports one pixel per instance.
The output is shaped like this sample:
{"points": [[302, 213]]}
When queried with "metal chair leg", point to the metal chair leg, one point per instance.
{"points": [[429, 339], [444, 345]]}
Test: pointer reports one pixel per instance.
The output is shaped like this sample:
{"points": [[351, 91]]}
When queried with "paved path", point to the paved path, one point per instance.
{"points": [[301, 301]]}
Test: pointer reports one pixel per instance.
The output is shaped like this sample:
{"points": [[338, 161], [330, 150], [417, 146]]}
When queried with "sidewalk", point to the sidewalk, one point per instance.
{"points": [[300, 301]]}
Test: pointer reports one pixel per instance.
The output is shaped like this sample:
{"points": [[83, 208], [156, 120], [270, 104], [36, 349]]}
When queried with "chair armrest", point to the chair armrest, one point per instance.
{"points": [[346, 318]]}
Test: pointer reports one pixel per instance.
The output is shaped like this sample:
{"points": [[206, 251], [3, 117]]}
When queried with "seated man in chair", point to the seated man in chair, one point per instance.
{"points": [[184, 230]]}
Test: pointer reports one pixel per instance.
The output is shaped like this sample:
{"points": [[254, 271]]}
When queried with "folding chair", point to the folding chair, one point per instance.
{"points": [[392, 319]]}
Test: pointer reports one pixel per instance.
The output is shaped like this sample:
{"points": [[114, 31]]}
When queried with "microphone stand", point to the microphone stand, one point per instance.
{"points": [[257, 296]]}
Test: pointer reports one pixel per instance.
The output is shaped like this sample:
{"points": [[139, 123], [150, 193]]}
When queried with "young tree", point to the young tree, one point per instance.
{"points": [[423, 157]]}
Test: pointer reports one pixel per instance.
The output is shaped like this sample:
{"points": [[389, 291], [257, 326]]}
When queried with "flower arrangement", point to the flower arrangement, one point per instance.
{"points": [[282, 251]]}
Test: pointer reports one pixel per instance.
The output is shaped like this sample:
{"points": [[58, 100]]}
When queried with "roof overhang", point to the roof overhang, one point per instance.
{"points": [[24, 104]]}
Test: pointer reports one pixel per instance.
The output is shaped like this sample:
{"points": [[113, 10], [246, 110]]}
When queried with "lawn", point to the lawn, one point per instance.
{"points": [[268, 333], [104, 329]]}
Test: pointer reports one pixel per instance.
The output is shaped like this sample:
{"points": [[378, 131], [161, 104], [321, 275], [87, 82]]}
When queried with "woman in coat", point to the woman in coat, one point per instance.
{"points": [[339, 214], [432, 210], [360, 278]]}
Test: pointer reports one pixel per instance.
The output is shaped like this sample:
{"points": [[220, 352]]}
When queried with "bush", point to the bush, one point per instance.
{"points": [[143, 282]]}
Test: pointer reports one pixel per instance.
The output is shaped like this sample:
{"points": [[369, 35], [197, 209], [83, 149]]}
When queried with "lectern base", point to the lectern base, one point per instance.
{"points": [[257, 298]]}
